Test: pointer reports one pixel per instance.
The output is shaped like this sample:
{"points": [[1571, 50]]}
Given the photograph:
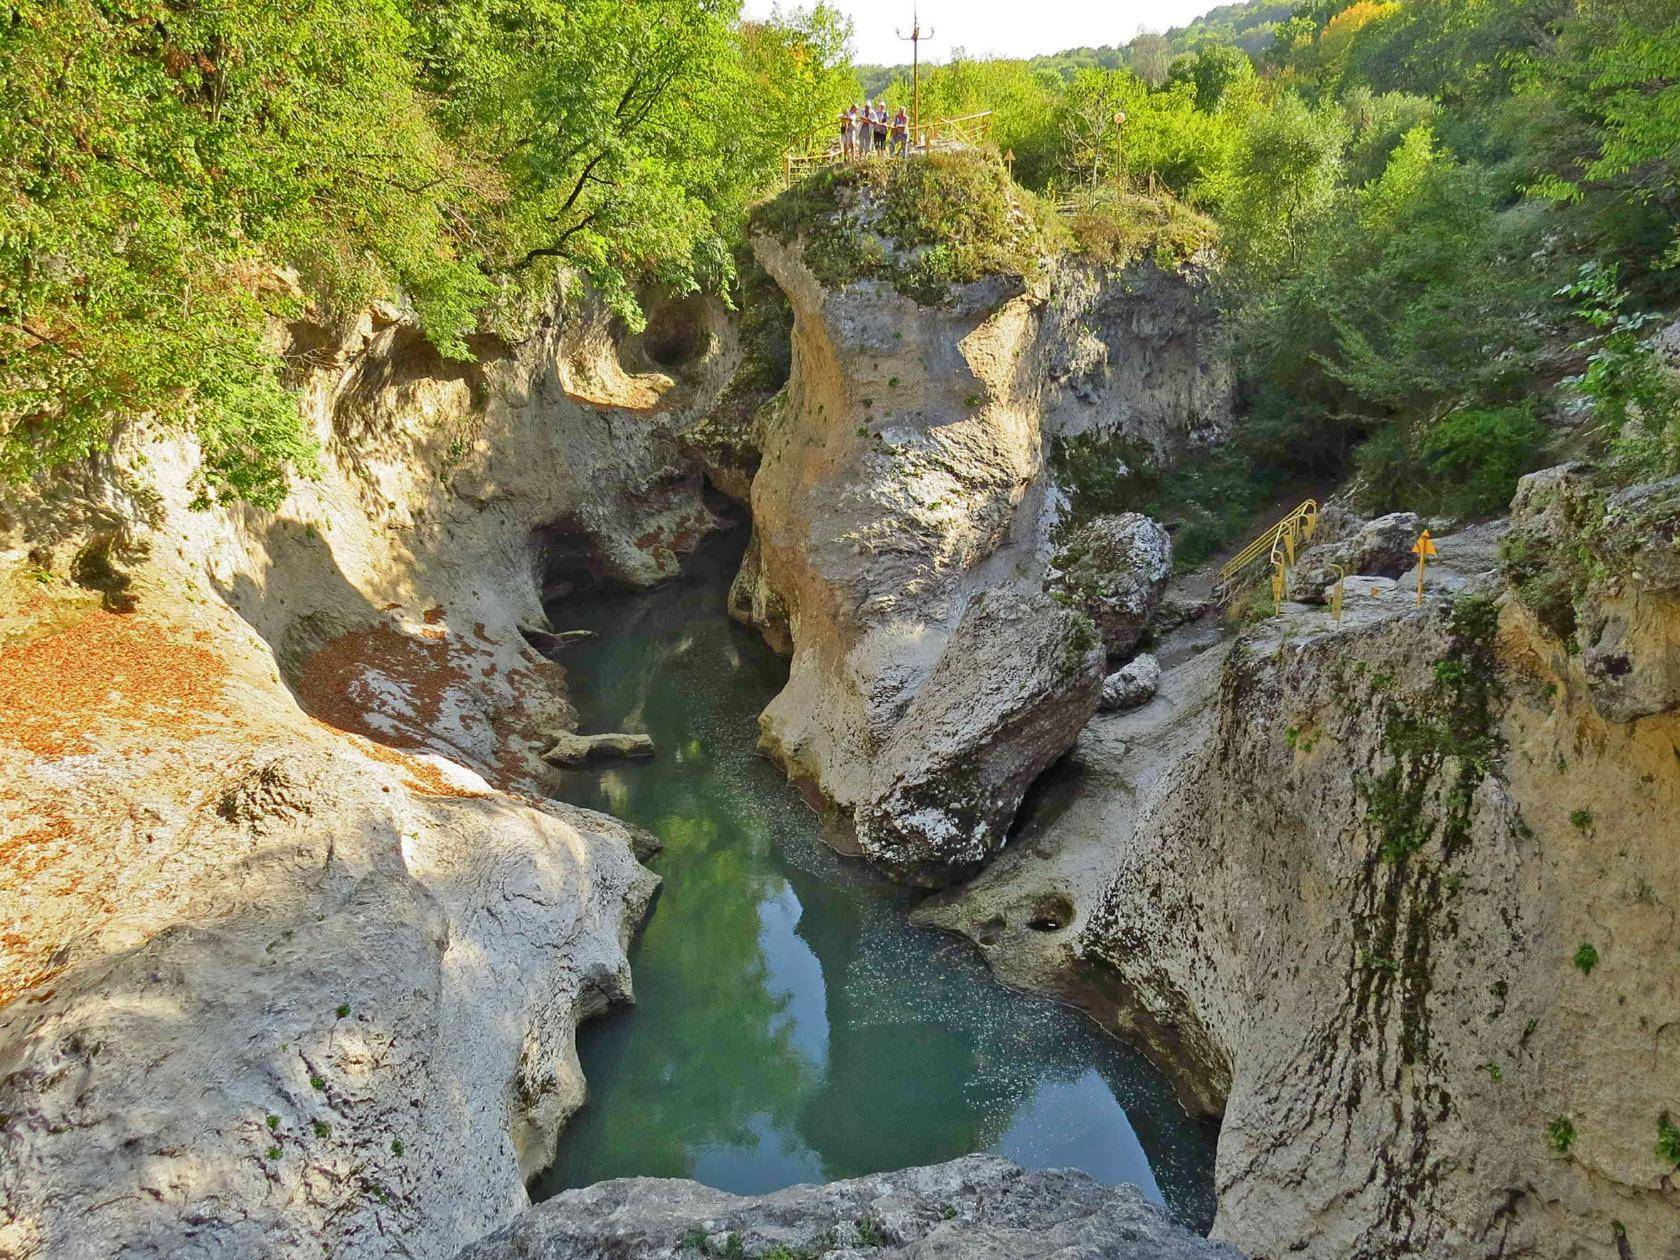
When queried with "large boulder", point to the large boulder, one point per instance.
{"points": [[1600, 571], [1011, 691], [1132, 684], [975, 1208], [1115, 569]]}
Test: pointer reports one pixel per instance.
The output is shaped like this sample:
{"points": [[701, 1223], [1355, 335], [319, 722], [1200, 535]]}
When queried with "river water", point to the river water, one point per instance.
{"points": [[790, 1026]]}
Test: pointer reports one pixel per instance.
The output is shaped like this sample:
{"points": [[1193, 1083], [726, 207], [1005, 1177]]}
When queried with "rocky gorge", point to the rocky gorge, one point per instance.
{"points": [[306, 940]]}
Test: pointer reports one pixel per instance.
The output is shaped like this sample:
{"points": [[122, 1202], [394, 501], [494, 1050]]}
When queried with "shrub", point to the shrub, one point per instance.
{"points": [[1560, 1135], [1475, 456], [1116, 227], [923, 225], [1668, 1141], [1465, 464], [1586, 958]]}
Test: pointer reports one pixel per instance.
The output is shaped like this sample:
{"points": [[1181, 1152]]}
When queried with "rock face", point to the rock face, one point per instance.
{"points": [[902, 478], [1376, 548], [976, 1208], [1341, 882], [287, 968], [1015, 683], [1115, 568], [1131, 685]]}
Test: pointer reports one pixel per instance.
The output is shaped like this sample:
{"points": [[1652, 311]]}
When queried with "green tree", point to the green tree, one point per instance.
{"points": [[178, 179], [1149, 56], [1216, 73], [1285, 176]]}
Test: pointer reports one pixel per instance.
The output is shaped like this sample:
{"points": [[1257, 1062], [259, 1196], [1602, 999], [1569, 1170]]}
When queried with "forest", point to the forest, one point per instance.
{"points": [[1445, 231]]}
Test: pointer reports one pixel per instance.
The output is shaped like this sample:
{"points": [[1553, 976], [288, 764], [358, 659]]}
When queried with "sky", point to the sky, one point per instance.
{"points": [[1010, 28]]}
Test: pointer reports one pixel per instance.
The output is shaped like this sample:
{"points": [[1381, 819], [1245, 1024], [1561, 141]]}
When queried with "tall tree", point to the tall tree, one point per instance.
{"points": [[1150, 57]]}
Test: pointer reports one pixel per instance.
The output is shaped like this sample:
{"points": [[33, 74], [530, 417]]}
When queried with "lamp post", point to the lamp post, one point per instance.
{"points": [[915, 37]]}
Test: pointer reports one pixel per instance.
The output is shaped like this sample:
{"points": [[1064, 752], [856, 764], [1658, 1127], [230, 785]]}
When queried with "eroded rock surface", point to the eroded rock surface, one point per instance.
{"points": [[1134, 683], [1339, 881], [293, 954], [1115, 569], [903, 477], [976, 1208]]}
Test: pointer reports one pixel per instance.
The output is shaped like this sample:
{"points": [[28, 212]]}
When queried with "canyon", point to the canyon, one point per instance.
{"points": [[299, 937]]}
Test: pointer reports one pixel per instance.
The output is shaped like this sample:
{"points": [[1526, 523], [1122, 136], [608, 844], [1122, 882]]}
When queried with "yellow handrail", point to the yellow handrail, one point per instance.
{"points": [[1278, 544]]}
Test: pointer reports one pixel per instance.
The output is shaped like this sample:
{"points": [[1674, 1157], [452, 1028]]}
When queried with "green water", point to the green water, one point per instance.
{"points": [[790, 1026]]}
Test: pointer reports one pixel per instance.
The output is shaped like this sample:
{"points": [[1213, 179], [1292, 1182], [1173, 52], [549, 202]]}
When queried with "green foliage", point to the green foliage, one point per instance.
{"points": [[1668, 1141], [1217, 75], [1465, 464], [923, 226], [1445, 737], [1115, 227], [1585, 958], [1287, 163], [179, 180], [869, 1232], [1560, 1134], [1635, 396], [1205, 501], [1581, 820]]}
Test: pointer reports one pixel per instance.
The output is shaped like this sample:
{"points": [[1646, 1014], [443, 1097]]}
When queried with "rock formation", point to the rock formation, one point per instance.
{"points": [[293, 956], [975, 1208], [1114, 569], [1396, 898], [1134, 683], [903, 478]]}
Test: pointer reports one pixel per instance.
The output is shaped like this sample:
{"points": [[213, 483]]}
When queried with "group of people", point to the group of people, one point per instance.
{"points": [[865, 128]]}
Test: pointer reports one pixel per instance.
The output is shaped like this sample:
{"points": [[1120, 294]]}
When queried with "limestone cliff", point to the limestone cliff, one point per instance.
{"points": [[1397, 898], [903, 505], [292, 956]]}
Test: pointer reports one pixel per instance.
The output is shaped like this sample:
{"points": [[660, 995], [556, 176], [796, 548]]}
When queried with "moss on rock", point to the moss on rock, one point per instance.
{"points": [[922, 225]]}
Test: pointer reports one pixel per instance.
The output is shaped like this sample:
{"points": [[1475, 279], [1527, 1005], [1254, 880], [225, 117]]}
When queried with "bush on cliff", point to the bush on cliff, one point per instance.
{"points": [[922, 225]]}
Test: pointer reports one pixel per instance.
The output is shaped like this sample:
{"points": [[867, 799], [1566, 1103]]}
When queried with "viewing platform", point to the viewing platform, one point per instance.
{"points": [[967, 131]]}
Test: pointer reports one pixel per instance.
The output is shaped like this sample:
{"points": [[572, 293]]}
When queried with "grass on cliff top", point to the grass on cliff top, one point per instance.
{"points": [[925, 224], [941, 219], [1116, 227]]}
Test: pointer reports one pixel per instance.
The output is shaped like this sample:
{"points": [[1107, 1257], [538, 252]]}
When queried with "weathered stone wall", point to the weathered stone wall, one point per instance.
{"points": [[1397, 899], [977, 1206], [292, 958]]}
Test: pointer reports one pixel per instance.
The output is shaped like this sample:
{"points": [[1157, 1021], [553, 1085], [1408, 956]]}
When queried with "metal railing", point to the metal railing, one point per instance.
{"points": [[967, 131], [1278, 546]]}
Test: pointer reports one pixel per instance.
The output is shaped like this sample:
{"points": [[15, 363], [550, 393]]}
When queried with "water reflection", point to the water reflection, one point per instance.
{"points": [[791, 1026]]}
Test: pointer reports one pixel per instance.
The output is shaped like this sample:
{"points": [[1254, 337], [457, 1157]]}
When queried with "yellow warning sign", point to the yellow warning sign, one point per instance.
{"points": [[1423, 548]]}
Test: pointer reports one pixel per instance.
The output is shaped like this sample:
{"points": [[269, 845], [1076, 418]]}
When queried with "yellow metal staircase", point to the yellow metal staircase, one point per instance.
{"points": [[1277, 546]]}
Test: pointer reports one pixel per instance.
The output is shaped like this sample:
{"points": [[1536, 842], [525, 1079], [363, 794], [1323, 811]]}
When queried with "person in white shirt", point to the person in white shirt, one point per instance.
{"points": [[866, 129]]}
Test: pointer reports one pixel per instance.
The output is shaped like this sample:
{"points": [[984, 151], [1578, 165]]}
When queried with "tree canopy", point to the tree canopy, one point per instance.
{"points": [[177, 177]]}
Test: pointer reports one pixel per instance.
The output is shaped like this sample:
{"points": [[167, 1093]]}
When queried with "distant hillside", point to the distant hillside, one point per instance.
{"points": [[1248, 25]]}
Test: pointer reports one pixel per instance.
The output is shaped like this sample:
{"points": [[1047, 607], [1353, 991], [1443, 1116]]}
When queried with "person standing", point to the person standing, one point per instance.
{"points": [[866, 129], [880, 125], [846, 134], [900, 142]]}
